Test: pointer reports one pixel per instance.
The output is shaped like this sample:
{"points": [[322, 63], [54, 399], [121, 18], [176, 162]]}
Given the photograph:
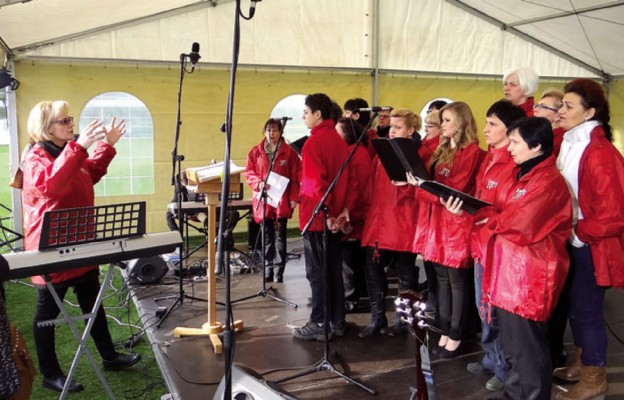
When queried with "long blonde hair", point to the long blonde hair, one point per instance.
{"points": [[465, 135]]}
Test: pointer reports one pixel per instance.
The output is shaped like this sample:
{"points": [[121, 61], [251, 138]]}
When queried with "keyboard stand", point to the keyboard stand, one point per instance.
{"points": [[82, 339]]}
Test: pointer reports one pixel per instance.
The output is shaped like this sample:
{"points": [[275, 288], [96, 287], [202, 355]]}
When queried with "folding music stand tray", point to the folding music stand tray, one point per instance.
{"points": [[62, 230]]}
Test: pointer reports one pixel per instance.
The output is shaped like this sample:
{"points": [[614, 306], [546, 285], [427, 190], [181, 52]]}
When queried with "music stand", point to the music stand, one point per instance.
{"points": [[267, 292], [76, 226], [325, 363]]}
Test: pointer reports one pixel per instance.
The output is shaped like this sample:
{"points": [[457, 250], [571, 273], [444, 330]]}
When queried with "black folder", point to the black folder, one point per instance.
{"points": [[298, 144], [398, 156], [471, 204]]}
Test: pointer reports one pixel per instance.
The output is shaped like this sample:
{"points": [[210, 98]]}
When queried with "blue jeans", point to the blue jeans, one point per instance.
{"points": [[494, 359], [586, 304]]}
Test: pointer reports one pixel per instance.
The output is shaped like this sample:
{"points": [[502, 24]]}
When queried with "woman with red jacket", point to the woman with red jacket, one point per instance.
{"points": [[392, 217], [548, 107], [58, 174], [519, 86], [526, 263], [594, 171], [443, 238], [272, 150]]}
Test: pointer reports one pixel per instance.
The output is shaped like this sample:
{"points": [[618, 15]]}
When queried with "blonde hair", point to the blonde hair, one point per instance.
{"points": [[556, 95], [433, 118], [466, 133], [412, 120], [42, 117]]}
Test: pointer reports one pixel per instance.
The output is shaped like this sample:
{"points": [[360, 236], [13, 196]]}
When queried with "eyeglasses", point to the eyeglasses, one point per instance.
{"points": [[538, 105], [431, 126], [65, 121]]}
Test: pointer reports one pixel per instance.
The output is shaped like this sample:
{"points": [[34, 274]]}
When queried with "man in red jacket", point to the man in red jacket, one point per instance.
{"points": [[322, 155]]}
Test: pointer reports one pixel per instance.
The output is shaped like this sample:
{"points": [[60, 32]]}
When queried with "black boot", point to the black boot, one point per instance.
{"points": [[268, 273], [278, 274], [379, 322]]}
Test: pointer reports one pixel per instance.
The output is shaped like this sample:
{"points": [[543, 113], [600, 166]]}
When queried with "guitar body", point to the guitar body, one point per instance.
{"points": [[407, 305]]}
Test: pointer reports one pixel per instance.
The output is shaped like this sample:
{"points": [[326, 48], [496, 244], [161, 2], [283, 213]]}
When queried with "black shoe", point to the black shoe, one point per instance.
{"points": [[398, 327], [339, 328], [278, 279], [375, 327], [268, 278], [58, 383], [448, 355], [121, 361]]}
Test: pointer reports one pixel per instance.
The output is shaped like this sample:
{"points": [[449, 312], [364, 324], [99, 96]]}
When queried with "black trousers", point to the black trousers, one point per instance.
{"points": [[353, 256], [527, 353], [453, 299], [376, 279], [275, 241], [86, 290], [313, 252]]}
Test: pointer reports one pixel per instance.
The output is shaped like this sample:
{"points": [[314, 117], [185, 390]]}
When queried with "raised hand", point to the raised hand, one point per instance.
{"points": [[115, 131], [92, 133]]}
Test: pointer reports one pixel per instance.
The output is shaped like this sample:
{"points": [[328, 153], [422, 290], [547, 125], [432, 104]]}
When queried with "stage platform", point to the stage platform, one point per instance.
{"points": [[192, 370]]}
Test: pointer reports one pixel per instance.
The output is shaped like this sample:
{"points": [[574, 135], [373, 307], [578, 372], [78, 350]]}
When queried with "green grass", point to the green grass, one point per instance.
{"points": [[142, 381]]}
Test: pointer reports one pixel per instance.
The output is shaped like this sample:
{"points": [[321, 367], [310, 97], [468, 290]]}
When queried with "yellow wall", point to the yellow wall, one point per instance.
{"points": [[204, 99]]}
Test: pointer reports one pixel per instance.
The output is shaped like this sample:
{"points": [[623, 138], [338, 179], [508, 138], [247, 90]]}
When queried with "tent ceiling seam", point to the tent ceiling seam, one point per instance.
{"points": [[567, 13]]}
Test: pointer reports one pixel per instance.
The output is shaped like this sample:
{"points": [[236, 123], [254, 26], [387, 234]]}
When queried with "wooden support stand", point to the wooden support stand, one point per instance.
{"points": [[212, 328]]}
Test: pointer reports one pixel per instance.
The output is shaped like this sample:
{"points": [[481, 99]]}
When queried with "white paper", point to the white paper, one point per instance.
{"points": [[277, 186], [214, 171]]}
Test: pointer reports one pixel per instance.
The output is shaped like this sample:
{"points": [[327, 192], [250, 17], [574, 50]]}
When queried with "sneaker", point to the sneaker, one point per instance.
{"points": [[311, 331], [478, 368], [339, 328], [494, 384]]}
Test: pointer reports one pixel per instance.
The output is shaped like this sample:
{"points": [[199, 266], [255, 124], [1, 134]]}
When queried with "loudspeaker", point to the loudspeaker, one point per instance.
{"points": [[147, 270], [247, 384]]}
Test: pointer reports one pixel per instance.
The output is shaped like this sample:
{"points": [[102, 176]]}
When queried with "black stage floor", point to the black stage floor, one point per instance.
{"points": [[386, 364]]}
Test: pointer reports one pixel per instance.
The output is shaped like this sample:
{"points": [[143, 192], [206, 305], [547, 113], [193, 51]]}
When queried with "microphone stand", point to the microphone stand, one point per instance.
{"points": [[325, 363], [176, 171], [267, 292]]}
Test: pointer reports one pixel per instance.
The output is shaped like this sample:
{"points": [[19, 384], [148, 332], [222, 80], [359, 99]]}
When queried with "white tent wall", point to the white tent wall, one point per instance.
{"points": [[423, 35]]}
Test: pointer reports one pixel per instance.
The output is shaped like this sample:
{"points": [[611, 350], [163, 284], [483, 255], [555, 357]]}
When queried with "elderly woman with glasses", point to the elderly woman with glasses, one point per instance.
{"points": [[59, 174], [547, 107]]}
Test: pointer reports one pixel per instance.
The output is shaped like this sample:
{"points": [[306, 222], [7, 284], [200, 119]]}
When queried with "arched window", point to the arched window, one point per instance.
{"points": [[291, 106], [132, 170]]}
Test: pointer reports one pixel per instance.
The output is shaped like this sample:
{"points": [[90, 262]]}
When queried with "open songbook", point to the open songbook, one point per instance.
{"points": [[212, 171], [400, 155]]}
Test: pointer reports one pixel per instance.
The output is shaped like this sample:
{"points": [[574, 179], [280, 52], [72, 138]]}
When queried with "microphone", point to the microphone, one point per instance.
{"points": [[194, 54], [373, 109], [286, 118]]}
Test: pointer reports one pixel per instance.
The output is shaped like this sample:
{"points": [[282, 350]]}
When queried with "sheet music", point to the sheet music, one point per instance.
{"points": [[277, 186], [213, 171]]}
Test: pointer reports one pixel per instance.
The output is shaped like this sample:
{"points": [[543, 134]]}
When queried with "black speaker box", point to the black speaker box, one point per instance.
{"points": [[147, 270], [247, 384]]}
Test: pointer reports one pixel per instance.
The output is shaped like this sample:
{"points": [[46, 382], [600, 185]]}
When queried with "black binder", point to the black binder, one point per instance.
{"points": [[398, 156], [298, 144], [471, 204]]}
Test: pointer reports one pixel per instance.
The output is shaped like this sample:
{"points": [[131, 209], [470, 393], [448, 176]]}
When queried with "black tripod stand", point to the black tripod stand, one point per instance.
{"points": [[176, 181], [325, 363], [267, 292]]}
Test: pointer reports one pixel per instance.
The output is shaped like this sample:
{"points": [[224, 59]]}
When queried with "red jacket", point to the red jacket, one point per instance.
{"points": [[359, 166], [527, 106], [322, 156], [441, 236], [286, 164], [54, 184], [431, 144], [528, 262], [495, 176], [601, 191], [392, 214]]}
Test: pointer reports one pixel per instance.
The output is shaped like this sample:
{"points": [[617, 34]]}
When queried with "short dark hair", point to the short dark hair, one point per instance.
{"points": [[506, 112], [592, 96], [355, 104], [535, 131], [352, 130], [437, 105], [320, 102]]}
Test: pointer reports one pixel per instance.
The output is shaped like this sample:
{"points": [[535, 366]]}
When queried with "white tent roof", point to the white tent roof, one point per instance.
{"points": [[564, 38]]}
